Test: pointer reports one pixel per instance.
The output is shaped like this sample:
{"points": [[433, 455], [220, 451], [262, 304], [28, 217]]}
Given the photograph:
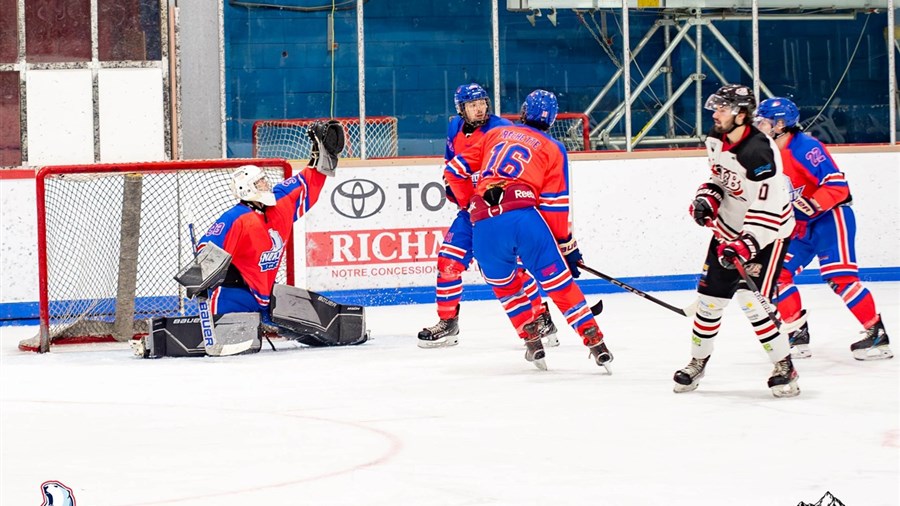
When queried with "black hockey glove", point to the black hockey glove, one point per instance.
{"points": [[327, 143], [449, 193], [705, 207], [744, 248], [569, 248]]}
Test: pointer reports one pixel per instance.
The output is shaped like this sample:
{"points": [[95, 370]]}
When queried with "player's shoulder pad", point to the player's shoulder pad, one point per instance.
{"points": [[456, 124], [494, 121], [758, 156]]}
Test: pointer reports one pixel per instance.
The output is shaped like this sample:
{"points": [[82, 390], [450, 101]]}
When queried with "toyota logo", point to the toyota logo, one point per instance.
{"points": [[357, 198]]}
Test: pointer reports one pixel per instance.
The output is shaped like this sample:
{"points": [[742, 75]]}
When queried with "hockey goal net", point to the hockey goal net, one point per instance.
{"points": [[286, 138], [111, 237], [570, 128]]}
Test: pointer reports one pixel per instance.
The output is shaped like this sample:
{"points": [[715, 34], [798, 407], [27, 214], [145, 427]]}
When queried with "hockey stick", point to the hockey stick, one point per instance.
{"points": [[206, 322], [688, 311], [742, 269]]}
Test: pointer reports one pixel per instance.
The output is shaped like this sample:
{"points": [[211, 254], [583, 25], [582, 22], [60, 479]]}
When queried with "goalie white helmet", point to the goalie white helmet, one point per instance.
{"points": [[249, 183]]}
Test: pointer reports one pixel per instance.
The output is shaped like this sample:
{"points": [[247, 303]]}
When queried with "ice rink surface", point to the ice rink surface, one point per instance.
{"points": [[387, 423]]}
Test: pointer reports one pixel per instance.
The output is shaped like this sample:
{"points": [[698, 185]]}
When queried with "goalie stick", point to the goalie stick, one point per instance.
{"points": [[206, 322], [688, 311]]}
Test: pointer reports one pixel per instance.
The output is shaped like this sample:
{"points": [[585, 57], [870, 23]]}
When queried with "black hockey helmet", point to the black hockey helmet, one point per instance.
{"points": [[737, 96]]}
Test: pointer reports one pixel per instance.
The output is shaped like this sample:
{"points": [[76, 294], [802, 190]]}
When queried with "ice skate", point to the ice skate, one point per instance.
{"points": [[546, 328], [598, 349], [139, 347], [443, 334], [783, 381], [534, 348], [875, 346], [688, 379], [800, 342]]}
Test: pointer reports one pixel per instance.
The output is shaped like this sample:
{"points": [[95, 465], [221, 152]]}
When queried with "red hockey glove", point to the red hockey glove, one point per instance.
{"points": [[800, 230], [705, 206], [569, 248], [744, 248], [808, 206]]}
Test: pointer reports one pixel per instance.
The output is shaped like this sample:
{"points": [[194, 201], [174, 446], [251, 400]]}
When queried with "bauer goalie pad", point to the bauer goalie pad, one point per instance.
{"points": [[315, 320], [236, 334], [206, 272]]}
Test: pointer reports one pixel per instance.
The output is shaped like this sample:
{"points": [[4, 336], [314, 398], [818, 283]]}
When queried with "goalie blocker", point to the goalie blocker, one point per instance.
{"points": [[300, 315]]}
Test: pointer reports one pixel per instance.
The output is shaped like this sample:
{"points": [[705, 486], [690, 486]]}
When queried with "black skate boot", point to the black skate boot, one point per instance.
{"points": [[688, 379], [800, 341], [546, 328], [598, 349], [783, 381], [875, 346], [534, 349], [444, 333]]}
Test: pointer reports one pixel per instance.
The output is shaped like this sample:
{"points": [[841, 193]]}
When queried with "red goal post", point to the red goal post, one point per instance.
{"points": [[111, 237], [570, 128], [286, 138]]}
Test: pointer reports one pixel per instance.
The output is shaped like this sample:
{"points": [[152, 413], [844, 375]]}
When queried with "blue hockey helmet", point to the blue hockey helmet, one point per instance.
{"points": [[779, 108], [539, 109], [469, 93]]}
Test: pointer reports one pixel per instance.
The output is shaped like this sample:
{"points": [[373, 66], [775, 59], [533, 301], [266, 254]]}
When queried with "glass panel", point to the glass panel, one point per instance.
{"points": [[10, 134], [9, 37], [57, 30], [129, 30]]}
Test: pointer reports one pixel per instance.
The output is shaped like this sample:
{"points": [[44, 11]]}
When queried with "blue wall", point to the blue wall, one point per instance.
{"points": [[278, 66]]}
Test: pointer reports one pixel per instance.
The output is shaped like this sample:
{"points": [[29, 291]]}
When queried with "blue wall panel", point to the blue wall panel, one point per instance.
{"points": [[278, 66]]}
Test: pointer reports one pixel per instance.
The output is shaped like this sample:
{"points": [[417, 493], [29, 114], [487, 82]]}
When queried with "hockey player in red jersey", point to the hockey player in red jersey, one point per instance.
{"points": [[255, 231], [826, 228], [520, 209], [747, 204], [465, 130]]}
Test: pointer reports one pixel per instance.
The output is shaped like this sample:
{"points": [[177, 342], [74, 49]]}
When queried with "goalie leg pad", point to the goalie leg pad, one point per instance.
{"points": [[236, 333], [316, 320]]}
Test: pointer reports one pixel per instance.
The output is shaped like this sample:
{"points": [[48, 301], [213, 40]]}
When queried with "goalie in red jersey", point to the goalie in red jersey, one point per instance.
{"points": [[233, 275], [520, 210]]}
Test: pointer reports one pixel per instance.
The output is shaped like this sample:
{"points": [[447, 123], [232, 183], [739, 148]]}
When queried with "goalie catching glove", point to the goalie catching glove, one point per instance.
{"points": [[327, 143]]}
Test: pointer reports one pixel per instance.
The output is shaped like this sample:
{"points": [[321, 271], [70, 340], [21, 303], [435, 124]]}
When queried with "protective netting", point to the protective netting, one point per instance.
{"points": [[569, 128], [287, 138], [114, 240]]}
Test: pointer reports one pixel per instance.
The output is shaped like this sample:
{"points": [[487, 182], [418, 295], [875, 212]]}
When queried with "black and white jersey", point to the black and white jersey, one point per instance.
{"points": [[757, 197]]}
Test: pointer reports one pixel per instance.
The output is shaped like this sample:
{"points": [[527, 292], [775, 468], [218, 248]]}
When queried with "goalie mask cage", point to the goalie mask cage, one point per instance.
{"points": [[287, 138], [111, 238], [570, 128]]}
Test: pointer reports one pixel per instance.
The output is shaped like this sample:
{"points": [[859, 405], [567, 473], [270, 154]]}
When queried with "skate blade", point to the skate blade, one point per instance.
{"points": [[789, 390], [606, 366], [876, 353], [540, 364], [444, 342], [680, 389], [801, 351]]}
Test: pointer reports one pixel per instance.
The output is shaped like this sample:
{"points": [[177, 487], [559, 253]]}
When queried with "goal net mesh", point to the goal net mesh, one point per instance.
{"points": [[572, 129], [287, 138], [112, 237]]}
